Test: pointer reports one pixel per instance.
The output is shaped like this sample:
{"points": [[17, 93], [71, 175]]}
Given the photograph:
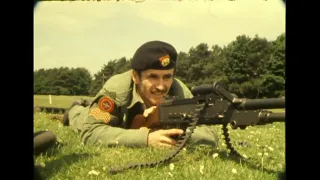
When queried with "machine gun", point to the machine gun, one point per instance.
{"points": [[212, 104]]}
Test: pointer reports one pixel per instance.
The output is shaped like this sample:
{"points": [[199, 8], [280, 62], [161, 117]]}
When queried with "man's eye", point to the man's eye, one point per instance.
{"points": [[167, 77], [153, 76]]}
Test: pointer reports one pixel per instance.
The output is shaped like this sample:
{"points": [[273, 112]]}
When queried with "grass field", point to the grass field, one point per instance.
{"points": [[265, 146]]}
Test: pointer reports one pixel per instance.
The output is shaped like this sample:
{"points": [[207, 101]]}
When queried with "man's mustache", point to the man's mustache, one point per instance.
{"points": [[160, 91]]}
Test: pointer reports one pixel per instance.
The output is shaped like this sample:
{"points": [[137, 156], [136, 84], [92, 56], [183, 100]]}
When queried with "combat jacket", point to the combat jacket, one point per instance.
{"points": [[112, 127]]}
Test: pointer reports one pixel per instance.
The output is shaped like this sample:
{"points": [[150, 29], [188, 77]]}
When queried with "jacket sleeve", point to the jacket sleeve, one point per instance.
{"points": [[99, 127]]}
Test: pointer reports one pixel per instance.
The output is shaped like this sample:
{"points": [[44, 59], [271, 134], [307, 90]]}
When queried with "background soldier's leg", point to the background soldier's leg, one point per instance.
{"points": [[43, 140], [205, 135], [75, 119], [36, 174]]}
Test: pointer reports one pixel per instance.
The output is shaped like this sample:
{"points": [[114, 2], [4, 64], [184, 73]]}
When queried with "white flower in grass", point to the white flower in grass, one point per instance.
{"points": [[201, 169], [94, 172], [171, 166], [42, 164], [234, 170], [215, 155], [270, 148], [245, 156]]}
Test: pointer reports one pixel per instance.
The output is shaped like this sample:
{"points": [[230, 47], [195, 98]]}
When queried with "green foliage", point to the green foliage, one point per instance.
{"points": [[62, 81], [249, 67]]}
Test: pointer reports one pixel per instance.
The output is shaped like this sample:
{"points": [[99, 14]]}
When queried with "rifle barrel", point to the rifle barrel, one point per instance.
{"points": [[276, 117], [270, 103], [272, 117]]}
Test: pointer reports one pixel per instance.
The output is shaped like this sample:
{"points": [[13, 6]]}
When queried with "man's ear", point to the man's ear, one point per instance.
{"points": [[135, 77]]}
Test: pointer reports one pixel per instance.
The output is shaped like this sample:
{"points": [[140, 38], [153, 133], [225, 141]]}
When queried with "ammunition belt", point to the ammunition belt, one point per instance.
{"points": [[181, 142]]}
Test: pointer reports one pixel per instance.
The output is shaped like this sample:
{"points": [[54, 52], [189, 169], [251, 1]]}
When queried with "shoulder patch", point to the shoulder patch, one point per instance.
{"points": [[106, 104], [98, 114]]}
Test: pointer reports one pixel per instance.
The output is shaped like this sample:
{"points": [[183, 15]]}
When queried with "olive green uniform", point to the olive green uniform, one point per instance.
{"points": [[127, 103]]}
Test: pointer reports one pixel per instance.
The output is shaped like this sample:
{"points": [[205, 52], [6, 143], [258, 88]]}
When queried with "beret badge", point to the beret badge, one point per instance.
{"points": [[165, 60]]}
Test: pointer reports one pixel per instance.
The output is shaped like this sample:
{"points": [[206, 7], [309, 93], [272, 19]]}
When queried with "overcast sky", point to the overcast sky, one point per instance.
{"points": [[89, 34]]}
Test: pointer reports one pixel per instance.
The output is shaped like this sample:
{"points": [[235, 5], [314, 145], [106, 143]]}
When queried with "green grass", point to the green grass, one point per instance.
{"points": [[56, 101], [73, 160]]}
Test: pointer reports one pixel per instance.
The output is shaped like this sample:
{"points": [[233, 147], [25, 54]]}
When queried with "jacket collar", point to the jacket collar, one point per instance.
{"points": [[135, 97]]}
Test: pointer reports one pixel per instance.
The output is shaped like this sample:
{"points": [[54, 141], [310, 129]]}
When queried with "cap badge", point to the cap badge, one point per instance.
{"points": [[164, 60]]}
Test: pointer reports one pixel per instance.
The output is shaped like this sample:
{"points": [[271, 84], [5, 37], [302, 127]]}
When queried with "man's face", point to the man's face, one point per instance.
{"points": [[153, 85]]}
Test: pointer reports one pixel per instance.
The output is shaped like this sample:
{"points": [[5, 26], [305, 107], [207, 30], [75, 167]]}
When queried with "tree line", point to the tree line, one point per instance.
{"points": [[251, 67]]}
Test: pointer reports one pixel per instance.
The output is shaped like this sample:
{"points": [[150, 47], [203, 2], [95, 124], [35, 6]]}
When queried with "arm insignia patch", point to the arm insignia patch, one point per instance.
{"points": [[106, 104], [100, 115]]}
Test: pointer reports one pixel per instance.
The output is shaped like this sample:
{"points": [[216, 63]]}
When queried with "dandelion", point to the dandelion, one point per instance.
{"points": [[94, 172], [171, 166], [201, 169], [234, 170], [215, 155]]}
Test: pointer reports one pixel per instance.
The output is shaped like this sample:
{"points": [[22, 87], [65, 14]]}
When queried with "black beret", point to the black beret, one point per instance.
{"points": [[154, 55]]}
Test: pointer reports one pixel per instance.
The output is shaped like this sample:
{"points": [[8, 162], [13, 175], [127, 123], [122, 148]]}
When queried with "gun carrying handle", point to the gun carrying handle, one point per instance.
{"points": [[202, 89], [216, 88]]}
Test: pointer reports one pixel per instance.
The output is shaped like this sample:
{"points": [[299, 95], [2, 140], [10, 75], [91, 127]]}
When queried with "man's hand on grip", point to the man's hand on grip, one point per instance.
{"points": [[162, 137]]}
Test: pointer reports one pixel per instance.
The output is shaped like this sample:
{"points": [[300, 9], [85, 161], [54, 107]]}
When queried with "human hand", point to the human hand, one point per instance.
{"points": [[162, 137], [149, 119], [152, 117], [149, 111]]}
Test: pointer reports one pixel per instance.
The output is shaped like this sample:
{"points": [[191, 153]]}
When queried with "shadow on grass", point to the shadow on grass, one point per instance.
{"points": [[224, 155], [61, 164]]}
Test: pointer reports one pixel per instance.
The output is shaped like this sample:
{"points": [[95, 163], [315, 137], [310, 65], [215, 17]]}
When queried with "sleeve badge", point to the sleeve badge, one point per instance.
{"points": [[106, 104], [98, 114]]}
